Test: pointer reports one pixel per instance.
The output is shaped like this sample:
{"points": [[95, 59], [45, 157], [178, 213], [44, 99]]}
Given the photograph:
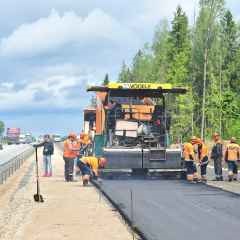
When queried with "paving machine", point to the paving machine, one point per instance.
{"points": [[133, 126]]}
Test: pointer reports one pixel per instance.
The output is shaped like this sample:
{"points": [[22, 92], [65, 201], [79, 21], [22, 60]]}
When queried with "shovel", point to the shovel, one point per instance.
{"points": [[37, 197]]}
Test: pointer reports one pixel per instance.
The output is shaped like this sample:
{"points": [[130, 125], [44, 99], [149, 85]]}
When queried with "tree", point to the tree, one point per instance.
{"points": [[205, 36], [125, 74], [179, 50], [160, 48], [2, 128], [106, 80]]}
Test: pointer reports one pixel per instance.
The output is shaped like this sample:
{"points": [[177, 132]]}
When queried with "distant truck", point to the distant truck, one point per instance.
{"points": [[13, 135], [28, 138], [22, 139], [57, 138]]}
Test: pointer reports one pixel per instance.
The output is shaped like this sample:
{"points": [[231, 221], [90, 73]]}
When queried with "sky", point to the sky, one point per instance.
{"points": [[51, 50]]}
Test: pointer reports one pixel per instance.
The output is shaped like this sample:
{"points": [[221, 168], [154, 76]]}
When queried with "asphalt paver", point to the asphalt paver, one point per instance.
{"points": [[170, 210]]}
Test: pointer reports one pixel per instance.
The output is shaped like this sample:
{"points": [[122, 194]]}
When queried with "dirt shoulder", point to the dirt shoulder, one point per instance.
{"points": [[70, 211]]}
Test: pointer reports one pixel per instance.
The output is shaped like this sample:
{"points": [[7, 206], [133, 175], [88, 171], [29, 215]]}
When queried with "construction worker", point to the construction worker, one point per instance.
{"points": [[202, 151], [89, 167], [217, 155], [48, 151], [189, 158], [70, 153], [85, 143], [232, 155]]}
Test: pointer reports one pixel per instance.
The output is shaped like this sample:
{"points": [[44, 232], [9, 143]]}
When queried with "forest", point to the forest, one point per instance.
{"points": [[204, 56]]}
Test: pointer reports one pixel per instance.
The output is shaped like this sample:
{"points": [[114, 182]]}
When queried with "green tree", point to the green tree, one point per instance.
{"points": [[160, 48], [106, 80], [2, 128], [125, 74], [179, 50], [205, 35]]}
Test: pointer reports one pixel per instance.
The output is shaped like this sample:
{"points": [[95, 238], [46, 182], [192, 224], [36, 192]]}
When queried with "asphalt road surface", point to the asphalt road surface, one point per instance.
{"points": [[177, 210], [10, 151]]}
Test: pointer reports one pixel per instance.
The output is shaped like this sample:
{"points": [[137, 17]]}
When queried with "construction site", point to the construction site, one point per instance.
{"points": [[142, 192]]}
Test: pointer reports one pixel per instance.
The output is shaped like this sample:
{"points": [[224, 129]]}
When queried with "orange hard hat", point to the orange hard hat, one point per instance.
{"points": [[72, 135], [195, 140]]}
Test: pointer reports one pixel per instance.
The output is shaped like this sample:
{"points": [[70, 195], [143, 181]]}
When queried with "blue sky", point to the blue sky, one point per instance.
{"points": [[50, 50]]}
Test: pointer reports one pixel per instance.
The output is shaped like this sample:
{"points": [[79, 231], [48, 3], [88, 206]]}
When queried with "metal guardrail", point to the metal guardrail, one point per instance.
{"points": [[8, 168]]}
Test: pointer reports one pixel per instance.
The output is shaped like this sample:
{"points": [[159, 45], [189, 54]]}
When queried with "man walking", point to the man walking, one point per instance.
{"points": [[232, 155], [217, 155], [48, 150]]}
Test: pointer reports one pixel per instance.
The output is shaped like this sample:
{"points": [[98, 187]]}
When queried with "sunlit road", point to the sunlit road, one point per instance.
{"points": [[10, 151]]}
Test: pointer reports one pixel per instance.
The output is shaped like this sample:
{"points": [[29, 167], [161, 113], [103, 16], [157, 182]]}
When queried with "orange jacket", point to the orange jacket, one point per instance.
{"points": [[70, 149], [232, 152], [85, 139], [188, 152]]}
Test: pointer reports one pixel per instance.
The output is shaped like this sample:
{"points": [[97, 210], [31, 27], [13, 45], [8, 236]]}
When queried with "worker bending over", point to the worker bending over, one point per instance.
{"points": [[89, 167], [202, 151], [189, 158], [232, 155]]}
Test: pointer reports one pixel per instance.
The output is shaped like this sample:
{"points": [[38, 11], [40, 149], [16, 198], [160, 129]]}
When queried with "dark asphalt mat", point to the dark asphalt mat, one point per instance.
{"points": [[176, 210]]}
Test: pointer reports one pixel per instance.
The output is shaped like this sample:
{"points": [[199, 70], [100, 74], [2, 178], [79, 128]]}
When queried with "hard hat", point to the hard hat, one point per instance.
{"points": [[233, 140], [195, 140], [102, 162], [216, 134], [72, 135]]}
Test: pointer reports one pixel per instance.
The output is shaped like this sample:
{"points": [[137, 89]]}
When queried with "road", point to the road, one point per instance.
{"points": [[170, 210], [10, 151]]}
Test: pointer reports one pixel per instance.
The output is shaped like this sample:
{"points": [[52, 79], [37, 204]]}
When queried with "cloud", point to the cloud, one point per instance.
{"points": [[54, 32], [58, 87]]}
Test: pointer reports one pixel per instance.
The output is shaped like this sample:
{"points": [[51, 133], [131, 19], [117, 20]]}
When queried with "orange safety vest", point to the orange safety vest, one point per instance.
{"points": [[188, 152], [233, 152], [67, 149]]}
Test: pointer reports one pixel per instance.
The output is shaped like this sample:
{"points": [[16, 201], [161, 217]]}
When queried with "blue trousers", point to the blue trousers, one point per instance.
{"points": [[47, 164]]}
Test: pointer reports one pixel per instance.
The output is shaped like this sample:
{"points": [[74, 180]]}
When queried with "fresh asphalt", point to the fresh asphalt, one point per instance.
{"points": [[177, 210], [11, 151]]}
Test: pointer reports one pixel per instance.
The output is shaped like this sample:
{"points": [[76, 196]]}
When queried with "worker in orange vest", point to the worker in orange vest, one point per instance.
{"points": [[89, 167], [189, 158], [85, 143], [70, 153], [202, 151], [232, 155]]}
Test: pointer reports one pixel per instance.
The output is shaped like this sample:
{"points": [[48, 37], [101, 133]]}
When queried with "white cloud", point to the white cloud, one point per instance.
{"points": [[55, 31], [51, 90]]}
